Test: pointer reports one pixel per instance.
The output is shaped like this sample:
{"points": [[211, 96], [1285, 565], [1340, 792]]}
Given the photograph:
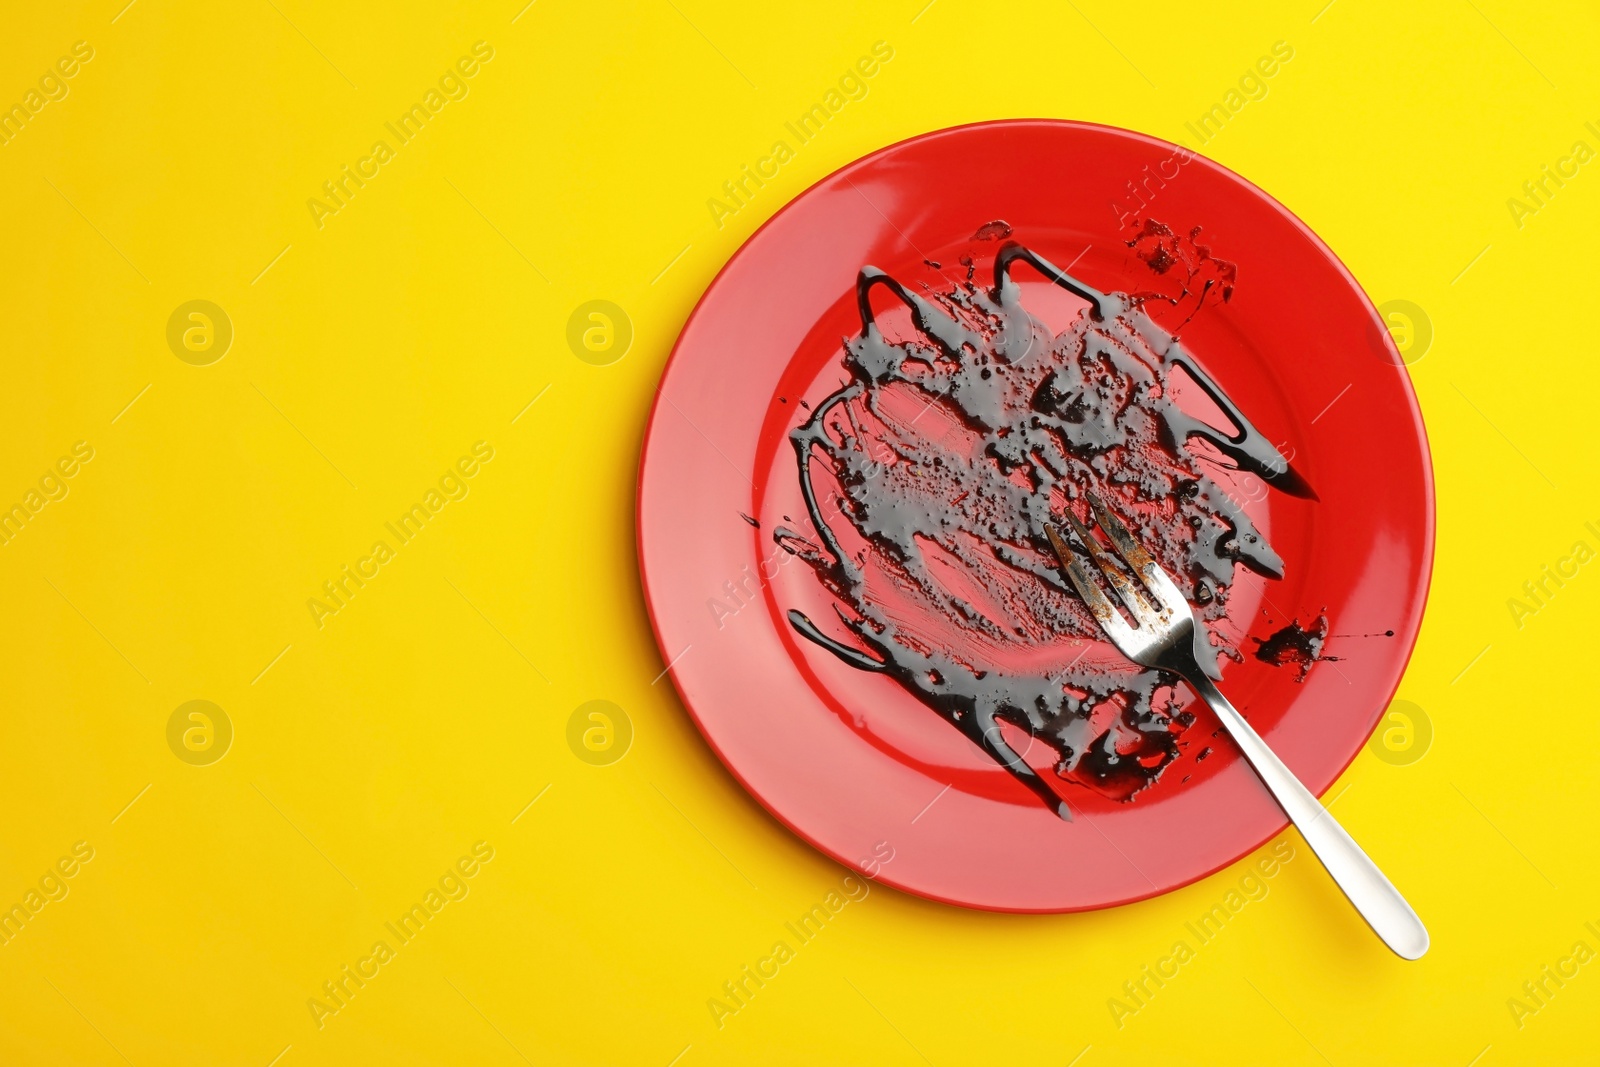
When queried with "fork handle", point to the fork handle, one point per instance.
{"points": [[1378, 901]]}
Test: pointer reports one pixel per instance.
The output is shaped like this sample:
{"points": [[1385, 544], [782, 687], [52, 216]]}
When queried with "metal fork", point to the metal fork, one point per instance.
{"points": [[1169, 637]]}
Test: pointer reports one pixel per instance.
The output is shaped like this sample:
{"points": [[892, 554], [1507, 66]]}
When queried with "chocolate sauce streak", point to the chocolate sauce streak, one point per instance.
{"points": [[1295, 644], [945, 454]]}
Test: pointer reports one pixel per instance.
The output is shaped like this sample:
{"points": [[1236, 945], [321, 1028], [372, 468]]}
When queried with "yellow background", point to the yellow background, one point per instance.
{"points": [[369, 354]]}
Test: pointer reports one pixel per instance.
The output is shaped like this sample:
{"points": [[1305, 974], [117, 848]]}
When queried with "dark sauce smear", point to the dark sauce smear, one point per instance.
{"points": [[945, 453], [1298, 645]]}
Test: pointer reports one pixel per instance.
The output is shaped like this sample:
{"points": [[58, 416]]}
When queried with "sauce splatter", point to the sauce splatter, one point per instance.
{"points": [[1295, 644], [929, 475]]}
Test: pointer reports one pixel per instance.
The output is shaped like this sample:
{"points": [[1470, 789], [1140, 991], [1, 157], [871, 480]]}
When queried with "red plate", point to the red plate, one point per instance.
{"points": [[851, 761]]}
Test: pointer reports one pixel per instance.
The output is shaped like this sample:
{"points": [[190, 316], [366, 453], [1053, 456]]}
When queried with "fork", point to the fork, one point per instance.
{"points": [[1170, 637]]}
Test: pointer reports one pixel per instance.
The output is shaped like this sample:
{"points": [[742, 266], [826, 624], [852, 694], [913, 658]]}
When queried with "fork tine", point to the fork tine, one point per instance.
{"points": [[1115, 626], [1137, 606], [1167, 595]]}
